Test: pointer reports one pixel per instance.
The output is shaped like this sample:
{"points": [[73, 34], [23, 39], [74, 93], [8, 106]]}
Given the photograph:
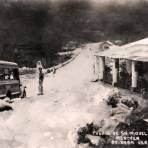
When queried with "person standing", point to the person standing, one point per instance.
{"points": [[54, 70], [39, 65], [41, 79]]}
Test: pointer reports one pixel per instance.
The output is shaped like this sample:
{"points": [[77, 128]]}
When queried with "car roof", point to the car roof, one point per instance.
{"points": [[7, 64]]}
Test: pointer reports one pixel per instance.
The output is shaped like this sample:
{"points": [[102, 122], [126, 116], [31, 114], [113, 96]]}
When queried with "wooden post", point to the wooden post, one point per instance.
{"points": [[101, 67], [129, 66], [96, 67], [115, 72], [134, 76]]}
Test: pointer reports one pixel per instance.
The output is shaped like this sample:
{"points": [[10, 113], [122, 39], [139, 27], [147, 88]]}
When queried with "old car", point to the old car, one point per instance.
{"points": [[9, 79]]}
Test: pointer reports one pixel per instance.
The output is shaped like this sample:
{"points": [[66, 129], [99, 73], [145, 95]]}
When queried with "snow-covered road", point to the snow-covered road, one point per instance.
{"points": [[48, 121]]}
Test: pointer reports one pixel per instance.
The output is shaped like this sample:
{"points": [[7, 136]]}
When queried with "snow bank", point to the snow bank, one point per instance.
{"points": [[52, 120], [4, 106], [45, 121]]}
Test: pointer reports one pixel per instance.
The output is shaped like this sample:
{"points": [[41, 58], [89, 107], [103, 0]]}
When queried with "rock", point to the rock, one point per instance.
{"points": [[93, 139]]}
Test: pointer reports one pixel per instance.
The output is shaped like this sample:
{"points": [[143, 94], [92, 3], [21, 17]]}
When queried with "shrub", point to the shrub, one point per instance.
{"points": [[113, 100]]}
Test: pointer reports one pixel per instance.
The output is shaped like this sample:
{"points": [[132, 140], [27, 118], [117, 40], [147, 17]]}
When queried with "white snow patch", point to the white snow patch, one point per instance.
{"points": [[52, 120]]}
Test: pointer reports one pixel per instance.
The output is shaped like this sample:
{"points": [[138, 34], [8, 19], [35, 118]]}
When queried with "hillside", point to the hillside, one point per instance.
{"points": [[30, 31]]}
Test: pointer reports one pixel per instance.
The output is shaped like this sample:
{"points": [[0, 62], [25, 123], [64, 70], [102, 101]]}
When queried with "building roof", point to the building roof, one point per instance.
{"points": [[108, 42], [137, 51], [8, 63], [97, 47], [139, 42]]}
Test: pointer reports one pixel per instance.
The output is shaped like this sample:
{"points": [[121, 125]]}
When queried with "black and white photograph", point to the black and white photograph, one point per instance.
{"points": [[73, 73]]}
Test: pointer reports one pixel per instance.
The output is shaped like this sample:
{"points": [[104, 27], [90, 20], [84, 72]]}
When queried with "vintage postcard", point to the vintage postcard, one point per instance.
{"points": [[73, 73]]}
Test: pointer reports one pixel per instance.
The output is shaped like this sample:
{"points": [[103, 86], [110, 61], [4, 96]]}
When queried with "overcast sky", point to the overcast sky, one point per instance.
{"points": [[94, 3], [91, 1]]}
